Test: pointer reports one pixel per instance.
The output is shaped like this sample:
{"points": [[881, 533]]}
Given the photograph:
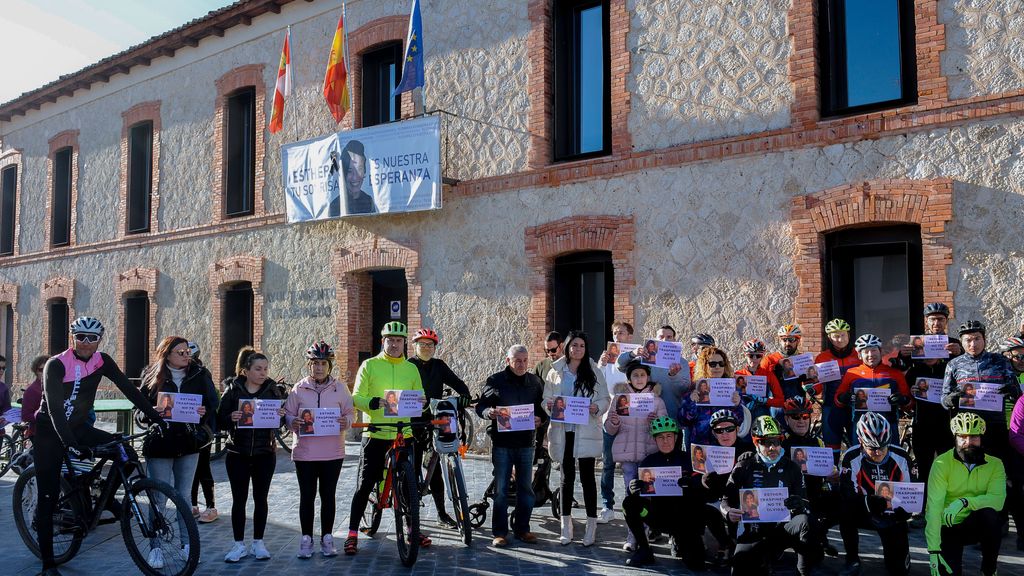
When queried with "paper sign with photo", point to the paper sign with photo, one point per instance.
{"points": [[665, 353], [801, 362], [515, 418], [641, 404], [715, 391], [872, 399], [754, 386], [816, 461], [929, 346], [614, 349], [909, 496], [259, 413], [927, 390], [325, 422], [402, 403], [712, 459], [827, 372], [182, 407], [764, 505], [623, 347], [570, 409], [660, 481], [982, 396]]}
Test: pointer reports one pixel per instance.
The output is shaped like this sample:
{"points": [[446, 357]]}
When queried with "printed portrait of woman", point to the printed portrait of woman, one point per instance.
{"points": [[749, 506], [248, 409], [306, 426]]}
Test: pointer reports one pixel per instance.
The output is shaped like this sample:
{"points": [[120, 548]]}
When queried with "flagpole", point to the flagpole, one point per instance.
{"points": [[348, 70], [423, 89]]}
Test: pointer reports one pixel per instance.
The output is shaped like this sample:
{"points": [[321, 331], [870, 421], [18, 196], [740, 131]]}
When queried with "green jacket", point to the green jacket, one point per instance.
{"points": [[950, 479], [376, 375]]}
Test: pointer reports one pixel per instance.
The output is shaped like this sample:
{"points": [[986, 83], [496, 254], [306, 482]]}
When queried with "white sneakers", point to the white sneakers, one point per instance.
{"points": [[156, 558], [237, 552], [605, 516], [259, 551], [305, 548], [327, 546]]}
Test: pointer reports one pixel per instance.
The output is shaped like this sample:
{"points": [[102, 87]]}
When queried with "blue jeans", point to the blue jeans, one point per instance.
{"points": [[177, 472], [608, 473], [504, 460]]}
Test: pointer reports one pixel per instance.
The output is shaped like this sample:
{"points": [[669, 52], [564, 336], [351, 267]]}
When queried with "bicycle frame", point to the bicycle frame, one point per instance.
{"points": [[398, 451]]}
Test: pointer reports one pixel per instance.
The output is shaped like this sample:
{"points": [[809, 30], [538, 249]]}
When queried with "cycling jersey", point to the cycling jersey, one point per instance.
{"points": [[983, 486], [850, 360], [775, 399], [864, 376], [435, 375], [380, 373], [858, 475], [985, 367]]}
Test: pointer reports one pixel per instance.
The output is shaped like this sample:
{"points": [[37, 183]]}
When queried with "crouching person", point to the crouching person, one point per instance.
{"points": [[665, 514]]}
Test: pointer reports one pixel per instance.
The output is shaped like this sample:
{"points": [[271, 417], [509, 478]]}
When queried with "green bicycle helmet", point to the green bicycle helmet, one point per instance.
{"points": [[837, 325], [394, 329], [765, 427], [967, 424], [663, 424]]}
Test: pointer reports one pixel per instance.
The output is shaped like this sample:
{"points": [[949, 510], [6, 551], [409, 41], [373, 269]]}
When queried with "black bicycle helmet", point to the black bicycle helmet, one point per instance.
{"points": [[936, 308], [971, 326]]}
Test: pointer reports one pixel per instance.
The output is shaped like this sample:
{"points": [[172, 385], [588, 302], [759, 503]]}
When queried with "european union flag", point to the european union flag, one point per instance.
{"points": [[412, 64]]}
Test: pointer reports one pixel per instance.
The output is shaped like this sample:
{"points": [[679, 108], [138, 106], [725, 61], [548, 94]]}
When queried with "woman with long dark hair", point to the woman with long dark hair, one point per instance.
{"points": [[575, 374], [173, 456]]}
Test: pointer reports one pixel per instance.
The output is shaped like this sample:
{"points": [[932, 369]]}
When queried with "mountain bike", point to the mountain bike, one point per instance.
{"points": [[151, 511], [398, 490], [12, 445], [447, 445]]}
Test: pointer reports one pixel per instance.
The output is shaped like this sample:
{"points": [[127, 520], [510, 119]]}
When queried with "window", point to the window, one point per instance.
{"points": [[868, 56], [60, 216], [58, 313], [583, 110], [136, 333], [236, 324], [874, 279], [582, 298], [382, 70], [8, 204], [7, 335], [140, 176], [240, 153]]}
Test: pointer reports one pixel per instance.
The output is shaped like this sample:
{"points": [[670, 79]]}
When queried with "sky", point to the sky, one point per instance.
{"points": [[58, 37]]}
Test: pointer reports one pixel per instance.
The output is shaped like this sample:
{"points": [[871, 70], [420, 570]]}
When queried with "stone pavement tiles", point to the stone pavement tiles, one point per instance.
{"points": [[104, 552]]}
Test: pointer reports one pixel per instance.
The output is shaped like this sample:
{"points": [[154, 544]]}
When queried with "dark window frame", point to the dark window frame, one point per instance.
{"points": [[231, 325], [58, 325], [8, 208], [61, 190], [371, 97], [239, 149], [566, 81], [132, 342], [567, 295], [832, 60], [140, 178]]}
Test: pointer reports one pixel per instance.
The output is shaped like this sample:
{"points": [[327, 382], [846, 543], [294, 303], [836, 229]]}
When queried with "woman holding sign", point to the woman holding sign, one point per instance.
{"points": [[696, 409], [575, 374], [632, 440], [173, 456], [318, 459], [250, 457]]}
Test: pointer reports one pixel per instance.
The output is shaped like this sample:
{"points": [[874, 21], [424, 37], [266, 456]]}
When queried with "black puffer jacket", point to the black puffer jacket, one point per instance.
{"points": [[247, 441], [180, 439]]}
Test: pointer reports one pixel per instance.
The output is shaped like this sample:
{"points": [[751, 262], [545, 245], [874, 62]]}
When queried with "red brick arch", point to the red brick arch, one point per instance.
{"points": [[928, 203], [544, 243], [222, 274]]}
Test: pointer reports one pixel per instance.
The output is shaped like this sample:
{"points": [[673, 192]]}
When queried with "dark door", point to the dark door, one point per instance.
{"points": [[236, 324], [58, 326], [583, 297], [136, 333], [874, 279], [390, 295]]}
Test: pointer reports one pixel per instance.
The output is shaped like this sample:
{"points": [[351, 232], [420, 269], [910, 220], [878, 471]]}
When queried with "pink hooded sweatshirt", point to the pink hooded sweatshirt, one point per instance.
{"points": [[308, 394]]}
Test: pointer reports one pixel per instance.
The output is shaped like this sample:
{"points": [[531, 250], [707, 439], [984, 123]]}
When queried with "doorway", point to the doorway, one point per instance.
{"points": [[390, 296]]}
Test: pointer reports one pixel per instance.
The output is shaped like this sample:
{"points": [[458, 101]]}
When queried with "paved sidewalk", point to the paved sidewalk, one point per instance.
{"points": [[104, 550]]}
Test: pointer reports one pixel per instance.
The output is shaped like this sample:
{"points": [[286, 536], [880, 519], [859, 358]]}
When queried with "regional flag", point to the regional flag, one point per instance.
{"points": [[284, 86], [336, 79], [412, 64]]}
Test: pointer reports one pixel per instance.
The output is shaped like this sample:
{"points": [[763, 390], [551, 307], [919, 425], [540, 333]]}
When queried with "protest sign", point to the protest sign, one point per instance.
{"points": [[928, 390], [179, 407], [929, 346], [872, 399], [403, 403], [515, 418], [660, 481], [817, 461], [259, 413], [570, 409], [760, 505], [712, 459], [754, 386]]}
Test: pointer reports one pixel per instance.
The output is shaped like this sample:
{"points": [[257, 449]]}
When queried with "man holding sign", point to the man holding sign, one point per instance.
{"points": [[873, 374], [801, 440]]}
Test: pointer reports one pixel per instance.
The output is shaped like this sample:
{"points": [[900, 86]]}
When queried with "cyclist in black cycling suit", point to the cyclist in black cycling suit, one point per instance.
{"points": [[70, 380]]}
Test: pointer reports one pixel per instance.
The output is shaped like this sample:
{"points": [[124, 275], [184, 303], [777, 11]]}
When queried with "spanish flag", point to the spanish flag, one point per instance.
{"points": [[336, 80], [284, 86]]}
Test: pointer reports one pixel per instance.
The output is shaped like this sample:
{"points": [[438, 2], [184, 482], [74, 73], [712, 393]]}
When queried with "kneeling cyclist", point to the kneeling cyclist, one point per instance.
{"points": [[966, 491]]}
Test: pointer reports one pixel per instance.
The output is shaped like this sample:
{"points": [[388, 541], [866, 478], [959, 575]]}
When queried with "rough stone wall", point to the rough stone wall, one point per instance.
{"points": [[706, 69], [984, 46]]}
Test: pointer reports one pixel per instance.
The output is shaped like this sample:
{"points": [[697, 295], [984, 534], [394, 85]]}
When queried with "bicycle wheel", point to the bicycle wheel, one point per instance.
{"points": [[68, 531], [7, 453], [284, 438], [164, 527], [407, 512], [371, 515], [459, 501], [220, 446]]}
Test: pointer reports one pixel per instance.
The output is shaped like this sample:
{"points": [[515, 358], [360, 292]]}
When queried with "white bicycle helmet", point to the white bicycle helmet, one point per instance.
{"points": [[87, 325], [873, 430], [867, 341]]}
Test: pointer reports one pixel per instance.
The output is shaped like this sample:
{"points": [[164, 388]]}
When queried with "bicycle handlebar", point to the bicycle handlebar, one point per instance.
{"points": [[399, 424]]}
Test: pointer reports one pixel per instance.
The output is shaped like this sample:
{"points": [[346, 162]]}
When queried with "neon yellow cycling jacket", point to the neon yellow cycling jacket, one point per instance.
{"points": [[376, 375], [984, 486]]}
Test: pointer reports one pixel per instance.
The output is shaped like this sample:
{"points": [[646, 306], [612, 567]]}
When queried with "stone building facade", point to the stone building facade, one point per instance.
{"points": [[714, 204]]}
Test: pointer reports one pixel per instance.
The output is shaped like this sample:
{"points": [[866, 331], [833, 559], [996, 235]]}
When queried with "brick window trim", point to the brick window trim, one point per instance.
{"points": [[250, 75], [541, 84], [136, 280], [365, 39], [14, 158], [56, 287], [141, 112], [805, 73], [546, 242], [928, 203], [65, 139], [9, 296], [222, 275], [353, 291]]}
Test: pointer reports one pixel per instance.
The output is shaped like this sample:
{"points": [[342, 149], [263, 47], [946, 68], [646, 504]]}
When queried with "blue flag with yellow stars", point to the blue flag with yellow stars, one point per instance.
{"points": [[412, 64]]}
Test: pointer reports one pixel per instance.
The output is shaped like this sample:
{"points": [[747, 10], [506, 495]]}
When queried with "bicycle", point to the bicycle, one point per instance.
{"points": [[151, 510], [12, 445], [398, 490], [447, 443]]}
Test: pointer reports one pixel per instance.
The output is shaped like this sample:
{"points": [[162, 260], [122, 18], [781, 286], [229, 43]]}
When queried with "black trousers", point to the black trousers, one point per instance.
{"points": [[587, 479], [324, 475], [760, 542], [892, 533], [666, 514], [243, 470], [371, 471], [980, 526], [204, 478]]}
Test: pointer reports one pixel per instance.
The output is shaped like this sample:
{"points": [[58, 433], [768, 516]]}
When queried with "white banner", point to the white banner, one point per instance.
{"points": [[387, 168]]}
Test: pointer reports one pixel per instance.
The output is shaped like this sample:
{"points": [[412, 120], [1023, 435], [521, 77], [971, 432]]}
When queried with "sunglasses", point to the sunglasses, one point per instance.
{"points": [[755, 355], [712, 364], [724, 430], [552, 350], [185, 352], [1017, 357], [87, 337], [770, 443], [801, 416], [789, 339], [2, 368]]}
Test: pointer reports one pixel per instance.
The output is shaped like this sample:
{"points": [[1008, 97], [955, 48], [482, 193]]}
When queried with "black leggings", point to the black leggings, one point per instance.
{"points": [[204, 477], [587, 479], [371, 471], [241, 469], [310, 474], [48, 455]]}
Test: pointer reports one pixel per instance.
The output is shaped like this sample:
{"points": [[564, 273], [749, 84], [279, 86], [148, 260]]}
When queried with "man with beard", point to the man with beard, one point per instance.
{"points": [[966, 490], [789, 337]]}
